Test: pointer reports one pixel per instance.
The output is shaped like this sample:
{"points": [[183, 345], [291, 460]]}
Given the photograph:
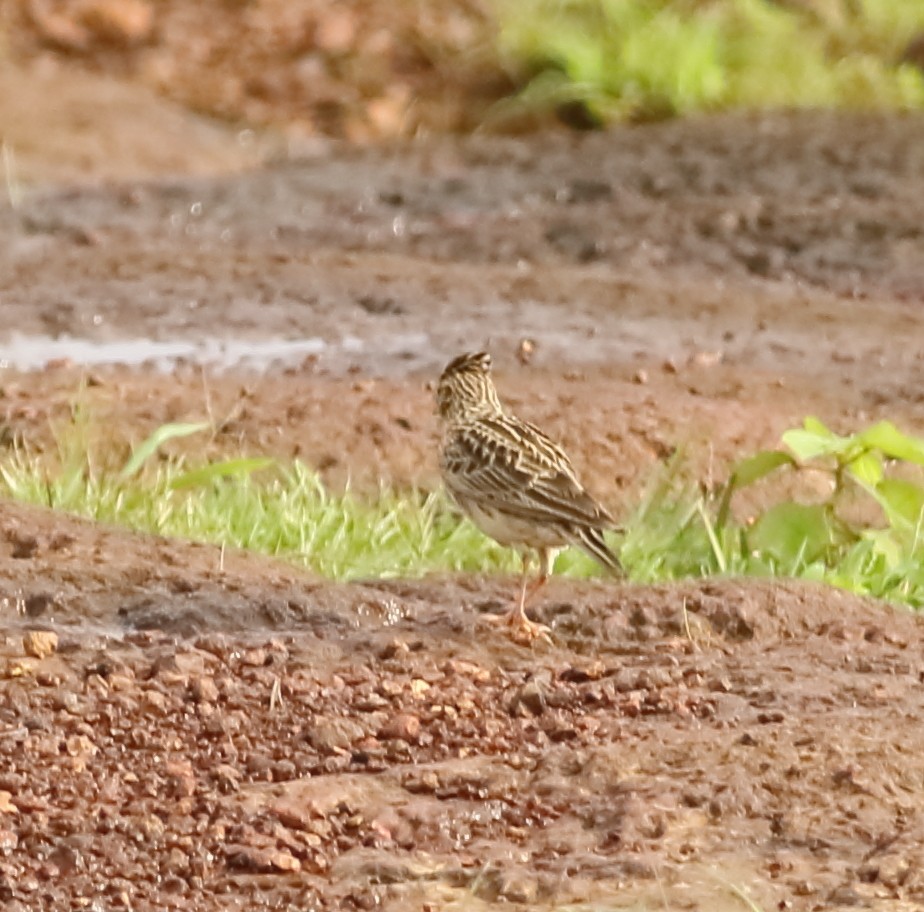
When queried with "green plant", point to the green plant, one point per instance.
{"points": [[645, 58], [862, 533], [833, 539]]}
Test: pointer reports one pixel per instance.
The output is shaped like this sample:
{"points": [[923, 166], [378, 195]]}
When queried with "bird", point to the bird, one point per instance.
{"points": [[514, 482]]}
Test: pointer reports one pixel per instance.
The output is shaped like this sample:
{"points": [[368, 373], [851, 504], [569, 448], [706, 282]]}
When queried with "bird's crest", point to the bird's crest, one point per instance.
{"points": [[465, 391], [479, 362]]}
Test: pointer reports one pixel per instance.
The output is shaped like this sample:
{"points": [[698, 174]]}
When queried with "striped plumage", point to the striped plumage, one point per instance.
{"points": [[516, 484]]}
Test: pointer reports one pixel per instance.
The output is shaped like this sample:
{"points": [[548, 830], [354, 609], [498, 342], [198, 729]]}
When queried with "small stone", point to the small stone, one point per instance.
{"points": [[579, 674], [40, 643], [121, 22], [402, 727], [893, 870], [154, 700], [333, 736], [180, 779], [151, 827], [203, 690], [6, 804], [80, 746], [227, 777], [419, 687], [262, 861], [293, 814], [525, 350], [8, 841], [531, 697], [255, 658], [336, 31], [393, 649], [519, 889], [467, 670]]}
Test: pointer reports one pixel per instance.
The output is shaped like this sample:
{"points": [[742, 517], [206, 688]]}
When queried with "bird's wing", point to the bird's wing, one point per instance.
{"points": [[513, 467]]}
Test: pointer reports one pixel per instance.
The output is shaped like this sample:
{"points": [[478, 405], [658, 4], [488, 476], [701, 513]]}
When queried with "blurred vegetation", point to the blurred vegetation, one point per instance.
{"points": [[616, 59]]}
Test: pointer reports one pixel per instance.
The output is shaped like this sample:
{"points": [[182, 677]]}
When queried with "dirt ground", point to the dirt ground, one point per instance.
{"points": [[217, 735], [220, 731]]}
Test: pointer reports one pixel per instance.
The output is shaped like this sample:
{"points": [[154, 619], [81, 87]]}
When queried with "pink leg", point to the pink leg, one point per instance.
{"points": [[520, 624]]}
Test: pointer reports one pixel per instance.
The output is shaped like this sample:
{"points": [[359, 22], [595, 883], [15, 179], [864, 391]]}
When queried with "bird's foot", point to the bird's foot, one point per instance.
{"points": [[521, 628]]}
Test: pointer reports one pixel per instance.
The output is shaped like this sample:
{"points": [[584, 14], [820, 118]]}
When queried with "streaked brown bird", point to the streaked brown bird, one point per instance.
{"points": [[515, 483]]}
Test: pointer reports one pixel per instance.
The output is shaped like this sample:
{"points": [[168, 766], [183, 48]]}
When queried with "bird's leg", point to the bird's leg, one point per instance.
{"points": [[522, 626]]}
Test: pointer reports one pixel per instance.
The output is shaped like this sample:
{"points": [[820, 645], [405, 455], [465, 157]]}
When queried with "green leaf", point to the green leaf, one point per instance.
{"points": [[227, 468], [814, 439], [791, 533], [893, 443], [746, 472], [814, 426], [755, 467], [884, 544], [866, 468], [902, 501], [147, 449]]}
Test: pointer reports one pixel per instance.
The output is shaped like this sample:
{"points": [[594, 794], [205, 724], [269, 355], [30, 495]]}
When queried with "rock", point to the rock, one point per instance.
{"points": [[6, 804], [515, 888], [419, 687], [394, 649], [121, 22], [255, 658], [227, 778], [261, 861], [181, 781], [40, 643], [8, 841], [530, 697], [579, 674], [333, 736], [293, 814], [402, 727], [203, 690], [467, 670], [150, 828], [154, 701]]}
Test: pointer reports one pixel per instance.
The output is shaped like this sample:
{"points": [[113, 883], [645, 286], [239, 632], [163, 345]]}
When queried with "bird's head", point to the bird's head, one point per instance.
{"points": [[466, 391]]}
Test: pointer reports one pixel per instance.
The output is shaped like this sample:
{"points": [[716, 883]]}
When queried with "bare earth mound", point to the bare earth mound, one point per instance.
{"points": [[368, 746]]}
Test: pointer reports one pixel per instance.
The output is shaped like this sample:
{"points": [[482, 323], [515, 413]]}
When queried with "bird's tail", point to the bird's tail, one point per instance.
{"points": [[592, 543]]}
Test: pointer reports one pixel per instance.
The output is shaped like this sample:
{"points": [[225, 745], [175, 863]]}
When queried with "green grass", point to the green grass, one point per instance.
{"points": [[651, 58], [675, 530]]}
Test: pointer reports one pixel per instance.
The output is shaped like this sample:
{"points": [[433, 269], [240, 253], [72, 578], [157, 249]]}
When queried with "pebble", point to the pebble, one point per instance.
{"points": [[40, 643], [402, 727], [531, 697], [262, 861], [331, 736], [203, 690], [180, 778]]}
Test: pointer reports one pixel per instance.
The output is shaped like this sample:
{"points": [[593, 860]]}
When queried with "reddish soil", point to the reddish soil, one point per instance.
{"points": [[367, 746], [220, 732]]}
